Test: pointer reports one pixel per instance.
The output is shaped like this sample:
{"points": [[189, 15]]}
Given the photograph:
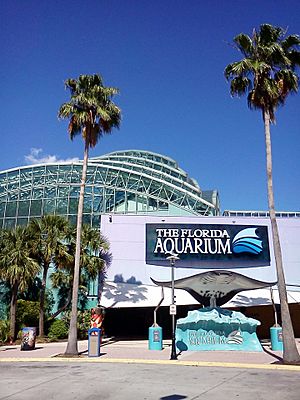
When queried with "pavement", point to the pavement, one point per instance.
{"points": [[113, 350]]}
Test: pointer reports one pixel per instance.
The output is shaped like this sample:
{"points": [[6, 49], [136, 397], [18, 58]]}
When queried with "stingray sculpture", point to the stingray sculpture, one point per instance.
{"points": [[215, 288]]}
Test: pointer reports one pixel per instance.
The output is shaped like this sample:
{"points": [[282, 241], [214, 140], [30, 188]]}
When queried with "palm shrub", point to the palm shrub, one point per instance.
{"points": [[49, 234], [95, 259], [17, 267]]}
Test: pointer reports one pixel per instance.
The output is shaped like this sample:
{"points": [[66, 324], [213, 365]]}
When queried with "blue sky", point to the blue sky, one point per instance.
{"points": [[167, 57]]}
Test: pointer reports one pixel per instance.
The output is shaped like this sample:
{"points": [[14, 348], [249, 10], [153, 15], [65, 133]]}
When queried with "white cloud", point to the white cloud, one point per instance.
{"points": [[36, 157]]}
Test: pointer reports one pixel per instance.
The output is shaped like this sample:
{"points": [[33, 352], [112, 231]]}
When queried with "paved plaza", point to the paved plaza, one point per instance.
{"points": [[136, 351]]}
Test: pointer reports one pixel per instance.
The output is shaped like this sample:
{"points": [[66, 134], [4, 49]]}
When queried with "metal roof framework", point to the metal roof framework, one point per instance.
{"points": [[127, 182]]}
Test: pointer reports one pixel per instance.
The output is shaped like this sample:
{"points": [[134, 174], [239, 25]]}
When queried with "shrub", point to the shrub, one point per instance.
{"points": [[83, 322], [58, 330], [27, 313], [4, 330]]}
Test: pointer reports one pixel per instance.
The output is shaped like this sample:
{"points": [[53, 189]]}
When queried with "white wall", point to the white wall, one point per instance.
{"points": [[126, 234]]}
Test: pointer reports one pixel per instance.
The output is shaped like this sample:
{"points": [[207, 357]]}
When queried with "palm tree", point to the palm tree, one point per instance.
{"points": [[92, 114], [17, 267], [267, 74], [94, 260], [49, 235], [95, 248]]}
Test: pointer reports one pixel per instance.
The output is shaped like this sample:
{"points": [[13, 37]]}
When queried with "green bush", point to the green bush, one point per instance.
{"points": [[4, 330], [4, 301], [27, 314], [83, 322], [58, 330]]}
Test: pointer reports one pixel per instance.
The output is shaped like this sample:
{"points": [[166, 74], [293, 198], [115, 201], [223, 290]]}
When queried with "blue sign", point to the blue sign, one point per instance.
{"points": [[208, 245], [217, 329]]}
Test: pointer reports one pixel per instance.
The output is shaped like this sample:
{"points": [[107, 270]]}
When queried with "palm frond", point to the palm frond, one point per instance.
{"points": [[90, 110], [294, 56], [239, 68], [287, 81], [269, 34], [267, 73], [17, 265], [290, 42], [239, 86], [274, 54], [244, 44]]}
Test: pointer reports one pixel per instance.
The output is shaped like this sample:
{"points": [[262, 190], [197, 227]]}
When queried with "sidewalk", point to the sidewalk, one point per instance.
{"points": [[136, 351]]}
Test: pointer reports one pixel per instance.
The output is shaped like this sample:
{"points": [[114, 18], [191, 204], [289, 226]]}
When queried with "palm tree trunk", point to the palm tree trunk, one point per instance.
{"points": [[290, 352], [61, 309], [72, 347], [42, 301], [13, 312]]}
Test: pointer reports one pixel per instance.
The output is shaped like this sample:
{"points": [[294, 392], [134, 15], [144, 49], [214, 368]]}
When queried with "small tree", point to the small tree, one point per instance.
{"points": [[17, 267], [49, 244], [267, 73], [94, 260]]}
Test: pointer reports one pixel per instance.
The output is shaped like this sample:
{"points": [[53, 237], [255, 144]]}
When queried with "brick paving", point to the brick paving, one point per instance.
{"points": [[114, 349]]}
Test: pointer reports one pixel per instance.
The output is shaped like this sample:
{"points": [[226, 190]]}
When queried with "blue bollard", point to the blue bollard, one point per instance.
{"points": [[94, 335], [155, 338], [276, 338]]}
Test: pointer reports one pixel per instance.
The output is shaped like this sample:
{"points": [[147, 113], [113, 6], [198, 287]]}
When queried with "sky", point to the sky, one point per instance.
{"points": [[167, 57]]}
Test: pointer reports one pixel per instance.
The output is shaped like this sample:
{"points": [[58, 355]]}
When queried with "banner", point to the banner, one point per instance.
{"points": [[208, 245]]}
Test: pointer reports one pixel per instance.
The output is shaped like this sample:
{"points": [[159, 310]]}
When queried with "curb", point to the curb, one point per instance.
{"points": [[294, 368]]}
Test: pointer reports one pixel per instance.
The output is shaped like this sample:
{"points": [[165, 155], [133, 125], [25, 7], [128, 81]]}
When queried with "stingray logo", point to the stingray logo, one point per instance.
{"points": [[247, 241]]}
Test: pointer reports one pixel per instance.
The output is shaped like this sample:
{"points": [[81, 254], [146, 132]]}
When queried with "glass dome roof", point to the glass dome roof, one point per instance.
{"points": [[126, 182]]}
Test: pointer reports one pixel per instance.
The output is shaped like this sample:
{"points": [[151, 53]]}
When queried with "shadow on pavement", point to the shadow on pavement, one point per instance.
{"points": [[279, 359]]}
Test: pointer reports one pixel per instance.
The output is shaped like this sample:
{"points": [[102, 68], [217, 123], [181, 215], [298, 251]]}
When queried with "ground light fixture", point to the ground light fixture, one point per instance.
{"points": [[172, 258]]}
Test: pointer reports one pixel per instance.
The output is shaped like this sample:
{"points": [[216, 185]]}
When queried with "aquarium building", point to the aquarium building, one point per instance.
{"points": [[131, 193]]}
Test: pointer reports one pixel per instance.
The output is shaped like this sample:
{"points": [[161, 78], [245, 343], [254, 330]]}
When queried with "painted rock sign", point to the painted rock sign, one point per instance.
{"points": [[217, 329]]}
